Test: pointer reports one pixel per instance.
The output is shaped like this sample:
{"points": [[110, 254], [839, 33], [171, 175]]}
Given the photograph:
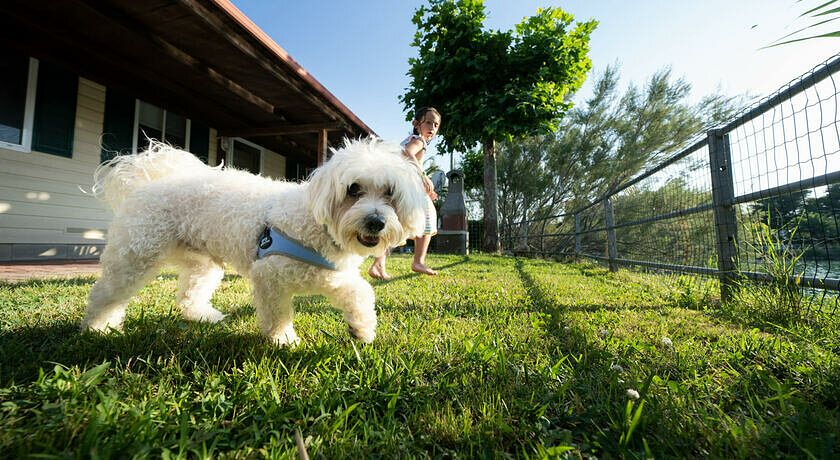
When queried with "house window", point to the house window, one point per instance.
{"points": [[118, 125], [245, 155], [18, 80], [129, 121], [54, 124], [159, 124]]}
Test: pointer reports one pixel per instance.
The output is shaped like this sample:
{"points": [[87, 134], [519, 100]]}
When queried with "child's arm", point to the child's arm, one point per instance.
{"points": [[412, 151]]}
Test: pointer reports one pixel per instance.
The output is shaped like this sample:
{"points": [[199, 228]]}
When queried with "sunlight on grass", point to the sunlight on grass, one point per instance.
{"points": [[494, 357]]}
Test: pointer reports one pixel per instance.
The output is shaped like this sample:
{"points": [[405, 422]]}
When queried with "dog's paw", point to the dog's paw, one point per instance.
{"points": [[205, 315], [102, 325], [362, 335], [287, 338]]}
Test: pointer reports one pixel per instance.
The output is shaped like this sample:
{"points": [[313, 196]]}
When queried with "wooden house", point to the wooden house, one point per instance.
{"points": [[81, 81]]}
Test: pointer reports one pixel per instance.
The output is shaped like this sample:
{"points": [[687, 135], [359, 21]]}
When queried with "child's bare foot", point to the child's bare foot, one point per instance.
{"points": [[421, 268], [378, 273]]}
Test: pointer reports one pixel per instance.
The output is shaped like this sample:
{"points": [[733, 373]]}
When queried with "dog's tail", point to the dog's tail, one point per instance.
{"points": [[115, 179]]}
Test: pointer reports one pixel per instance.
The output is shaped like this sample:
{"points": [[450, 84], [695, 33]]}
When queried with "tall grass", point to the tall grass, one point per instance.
{"points": [[780, 299]]}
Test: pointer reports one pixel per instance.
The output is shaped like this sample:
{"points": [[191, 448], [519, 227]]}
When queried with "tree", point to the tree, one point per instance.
{"points": [[781, 211], [612, 137], [601, 143], [676, 241], [495, 85], [830, 202], [526, 184]]}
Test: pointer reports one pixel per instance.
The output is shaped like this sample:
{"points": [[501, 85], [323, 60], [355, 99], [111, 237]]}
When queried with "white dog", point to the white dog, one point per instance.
{"points": [[287, 238]]}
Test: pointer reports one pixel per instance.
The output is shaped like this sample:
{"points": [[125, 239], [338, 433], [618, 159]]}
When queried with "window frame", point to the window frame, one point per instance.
{"points": [[28, 111], [136, 129], [263, 151]]}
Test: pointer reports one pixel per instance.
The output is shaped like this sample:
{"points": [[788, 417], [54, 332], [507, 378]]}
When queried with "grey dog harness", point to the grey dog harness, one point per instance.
{"points": [[272, 242]]}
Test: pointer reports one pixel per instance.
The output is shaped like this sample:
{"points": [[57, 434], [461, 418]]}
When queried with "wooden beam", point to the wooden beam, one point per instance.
{"points": [[113, 67], [141, 32], [280, 130], [258, 54], [212, 74], [322, 146]]}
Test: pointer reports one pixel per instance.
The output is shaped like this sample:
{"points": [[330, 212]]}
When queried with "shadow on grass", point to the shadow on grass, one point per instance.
{"points": [[411, 275], [748, 398], [26, 350]]}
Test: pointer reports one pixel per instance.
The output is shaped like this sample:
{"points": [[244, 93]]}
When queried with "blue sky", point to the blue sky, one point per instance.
{"points": [[359, 50]]}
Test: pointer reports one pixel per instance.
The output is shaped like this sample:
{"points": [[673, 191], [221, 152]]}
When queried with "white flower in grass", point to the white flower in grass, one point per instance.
{"points": [[632, 394], [666, 342], [617, 368], [604, 333]]}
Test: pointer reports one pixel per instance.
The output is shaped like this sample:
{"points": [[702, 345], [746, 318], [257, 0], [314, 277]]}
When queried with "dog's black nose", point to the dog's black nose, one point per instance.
{"points": [[374, 223]]}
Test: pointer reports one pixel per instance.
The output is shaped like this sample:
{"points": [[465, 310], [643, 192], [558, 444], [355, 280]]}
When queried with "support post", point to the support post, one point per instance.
{"points": [[612, 247], [726, 225], [322, 146], [577, 237]]}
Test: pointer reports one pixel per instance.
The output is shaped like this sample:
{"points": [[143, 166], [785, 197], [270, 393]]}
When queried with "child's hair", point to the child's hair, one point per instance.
{"points": [[420, 114]]}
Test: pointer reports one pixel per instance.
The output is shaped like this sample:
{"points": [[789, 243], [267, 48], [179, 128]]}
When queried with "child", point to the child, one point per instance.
{"points": [[426, 124]]}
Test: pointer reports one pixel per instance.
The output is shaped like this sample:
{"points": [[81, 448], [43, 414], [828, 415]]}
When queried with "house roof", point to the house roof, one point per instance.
{"points": [[202, 58]]}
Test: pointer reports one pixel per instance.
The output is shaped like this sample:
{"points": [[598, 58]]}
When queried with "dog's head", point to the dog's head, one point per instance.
{"points": [[368, 196]]}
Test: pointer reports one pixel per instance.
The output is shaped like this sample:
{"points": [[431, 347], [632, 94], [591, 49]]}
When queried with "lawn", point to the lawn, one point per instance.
{"points": [[495, 357]]}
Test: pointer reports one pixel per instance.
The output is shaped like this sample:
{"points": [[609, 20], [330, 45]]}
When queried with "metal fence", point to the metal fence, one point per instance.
{"points": [[758, 198]]}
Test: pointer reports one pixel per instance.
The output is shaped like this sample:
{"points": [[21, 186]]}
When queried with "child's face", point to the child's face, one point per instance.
{"points": [[428, 126]]}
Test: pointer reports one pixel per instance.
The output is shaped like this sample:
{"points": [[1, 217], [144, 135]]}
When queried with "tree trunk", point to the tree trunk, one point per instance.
{"points": [[491, 200]]}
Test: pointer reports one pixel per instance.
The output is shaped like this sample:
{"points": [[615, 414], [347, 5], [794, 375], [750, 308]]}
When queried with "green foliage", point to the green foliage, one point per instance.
{"points": [[680, 241], [524, 180], [604, 142], [613, 137], [494, 84], [472, 165], [780, 211], [813, 216], [829, 202], [825, 12]]}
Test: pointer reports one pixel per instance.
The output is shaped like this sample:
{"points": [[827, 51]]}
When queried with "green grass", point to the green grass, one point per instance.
{"points": [[495, 357]]}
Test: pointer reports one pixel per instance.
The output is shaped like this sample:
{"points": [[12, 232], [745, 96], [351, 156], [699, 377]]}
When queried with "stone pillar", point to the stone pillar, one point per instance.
{"points": [[453, 236]]}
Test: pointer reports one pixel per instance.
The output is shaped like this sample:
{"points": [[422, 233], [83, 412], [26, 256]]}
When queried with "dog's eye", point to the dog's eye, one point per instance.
{"points": [[389, 192], [354, 190]]}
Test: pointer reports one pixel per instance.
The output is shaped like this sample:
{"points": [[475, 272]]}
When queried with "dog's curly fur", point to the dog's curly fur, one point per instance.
{"points": [[171, 207]]}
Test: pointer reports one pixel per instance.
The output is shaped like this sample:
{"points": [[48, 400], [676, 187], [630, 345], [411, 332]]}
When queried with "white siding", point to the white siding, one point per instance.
{"points": [[46, 210], [40, 197], [213, 148], [274, 165]]}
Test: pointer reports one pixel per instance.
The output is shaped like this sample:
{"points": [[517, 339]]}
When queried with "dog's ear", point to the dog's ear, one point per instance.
{"points": [[409, 201], [326, 190]]}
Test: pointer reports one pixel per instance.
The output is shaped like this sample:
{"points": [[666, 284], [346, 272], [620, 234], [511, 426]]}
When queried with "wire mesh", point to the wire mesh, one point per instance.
{"points": [[786, 166], [784, 159], [667, 217]]}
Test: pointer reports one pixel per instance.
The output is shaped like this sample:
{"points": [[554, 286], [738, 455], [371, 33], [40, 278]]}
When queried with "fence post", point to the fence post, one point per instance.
{"points": [[726, 224], [577, 237], [612, 248]]}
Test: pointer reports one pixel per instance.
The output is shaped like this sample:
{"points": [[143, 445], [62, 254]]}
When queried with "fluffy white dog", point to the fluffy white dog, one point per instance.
{"points": [[171, 207]]}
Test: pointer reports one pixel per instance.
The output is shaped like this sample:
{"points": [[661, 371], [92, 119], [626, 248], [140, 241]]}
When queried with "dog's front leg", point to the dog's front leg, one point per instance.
{"points": [[275, 313], [354, 296]]}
